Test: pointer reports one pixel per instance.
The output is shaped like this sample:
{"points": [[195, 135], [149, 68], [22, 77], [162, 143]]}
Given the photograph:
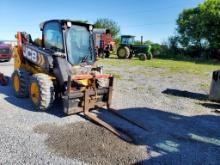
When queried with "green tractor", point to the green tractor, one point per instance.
{"points": [[129, 49]]}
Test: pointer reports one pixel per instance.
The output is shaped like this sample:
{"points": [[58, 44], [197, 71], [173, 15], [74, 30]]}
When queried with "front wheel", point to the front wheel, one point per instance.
{"points": [[142, 56], [41, 91]]}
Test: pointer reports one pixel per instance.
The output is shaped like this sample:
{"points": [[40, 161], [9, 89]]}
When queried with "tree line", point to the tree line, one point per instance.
{"points": [[197, 34], [198, 31]]}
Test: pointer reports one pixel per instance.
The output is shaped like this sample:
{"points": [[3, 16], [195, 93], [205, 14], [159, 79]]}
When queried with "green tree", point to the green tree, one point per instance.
{"points": [[188, 27], [199, 27], [148, 42], [108, 24], [173, 42], [117, 41], [210, 16]]}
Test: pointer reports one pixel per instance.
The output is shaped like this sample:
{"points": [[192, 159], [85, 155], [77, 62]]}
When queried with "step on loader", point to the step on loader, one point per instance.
{"points": [[63, 65]]}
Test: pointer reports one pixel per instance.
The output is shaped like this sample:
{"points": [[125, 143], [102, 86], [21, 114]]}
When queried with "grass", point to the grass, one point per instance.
{"points": [[200, 68]]}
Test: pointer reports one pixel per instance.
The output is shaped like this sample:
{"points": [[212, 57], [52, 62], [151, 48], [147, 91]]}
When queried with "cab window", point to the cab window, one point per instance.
{"points": [[127, 41], [53, 36]]}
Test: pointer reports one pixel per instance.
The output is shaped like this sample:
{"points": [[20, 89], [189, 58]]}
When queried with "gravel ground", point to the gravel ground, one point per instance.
{"points": [[183, 125]]}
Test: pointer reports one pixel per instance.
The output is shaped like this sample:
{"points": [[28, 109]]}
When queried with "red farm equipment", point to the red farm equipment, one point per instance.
{"points": [[103, 42]]}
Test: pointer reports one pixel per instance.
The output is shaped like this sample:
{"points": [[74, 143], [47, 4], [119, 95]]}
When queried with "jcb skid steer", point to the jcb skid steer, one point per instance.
{"points": [[62, 65]]}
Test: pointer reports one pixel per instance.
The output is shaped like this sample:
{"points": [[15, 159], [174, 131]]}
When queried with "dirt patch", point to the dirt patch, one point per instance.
{"points": [[90, 143]]}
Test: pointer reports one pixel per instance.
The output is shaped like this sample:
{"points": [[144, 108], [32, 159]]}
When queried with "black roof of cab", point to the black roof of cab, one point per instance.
{"points": [[62, 21], [128, 36]]}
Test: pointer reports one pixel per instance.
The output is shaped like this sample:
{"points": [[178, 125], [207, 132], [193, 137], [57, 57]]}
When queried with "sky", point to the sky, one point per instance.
{"points": [[155, 20]]}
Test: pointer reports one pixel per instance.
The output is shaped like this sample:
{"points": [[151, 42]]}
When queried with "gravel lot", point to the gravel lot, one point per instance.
{"points": [[183, 125]]}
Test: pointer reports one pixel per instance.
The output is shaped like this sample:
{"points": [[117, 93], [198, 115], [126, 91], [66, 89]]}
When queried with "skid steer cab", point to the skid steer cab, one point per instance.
{"points": [[62, 65]]}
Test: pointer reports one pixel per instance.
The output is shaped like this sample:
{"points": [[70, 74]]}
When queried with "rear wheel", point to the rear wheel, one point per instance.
{"points": [[123, 52], [41, 91], [20, 80]]}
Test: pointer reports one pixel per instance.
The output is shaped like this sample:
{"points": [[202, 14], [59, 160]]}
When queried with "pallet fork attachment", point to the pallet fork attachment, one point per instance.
{"points": [[95, 118], [89, 100]]}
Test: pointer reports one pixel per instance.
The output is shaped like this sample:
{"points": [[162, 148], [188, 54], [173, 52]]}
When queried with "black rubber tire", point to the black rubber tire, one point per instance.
{"points": [[142, 56], [46, 91], [23, 83], [123, 52]]}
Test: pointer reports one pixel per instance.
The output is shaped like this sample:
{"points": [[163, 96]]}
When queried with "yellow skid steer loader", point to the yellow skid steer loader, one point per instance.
{"points": [[62, 65]]}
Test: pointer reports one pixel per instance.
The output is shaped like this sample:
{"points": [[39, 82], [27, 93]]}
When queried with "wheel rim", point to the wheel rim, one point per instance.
{"points": [[121, 53], [34, 92], [16, 83]]}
